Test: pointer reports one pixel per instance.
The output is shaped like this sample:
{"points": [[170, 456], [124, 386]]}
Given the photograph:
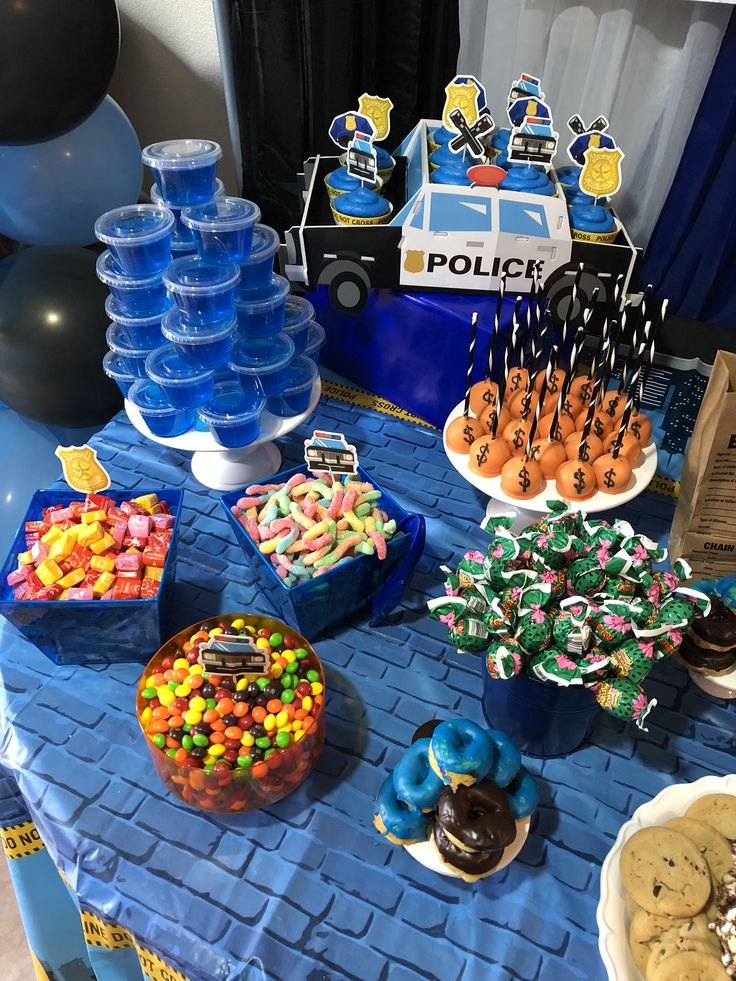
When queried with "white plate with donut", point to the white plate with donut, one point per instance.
{"points": [[599, 501], [425, 853], [613, 914]]}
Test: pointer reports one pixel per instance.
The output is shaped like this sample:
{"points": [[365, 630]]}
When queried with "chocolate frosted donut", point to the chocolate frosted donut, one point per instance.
{"points": [[476, 818], [426, 729], [709, 646], [468, 865]]}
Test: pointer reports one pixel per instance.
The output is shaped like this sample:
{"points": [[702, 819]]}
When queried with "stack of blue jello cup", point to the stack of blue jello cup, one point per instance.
{"points": [[212, 337]]}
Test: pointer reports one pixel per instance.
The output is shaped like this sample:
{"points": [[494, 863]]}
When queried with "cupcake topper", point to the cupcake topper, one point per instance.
{"points": [[354, 133], [471, 356], [466, 113], [378, 110], [565, 386]]}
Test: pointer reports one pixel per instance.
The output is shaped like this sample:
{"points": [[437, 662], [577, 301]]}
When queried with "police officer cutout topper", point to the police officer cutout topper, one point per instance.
{"points": [[354, 133]]}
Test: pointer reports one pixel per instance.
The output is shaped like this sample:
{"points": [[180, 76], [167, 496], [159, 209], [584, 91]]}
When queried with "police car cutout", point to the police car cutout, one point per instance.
{"points": [[448, 238]]}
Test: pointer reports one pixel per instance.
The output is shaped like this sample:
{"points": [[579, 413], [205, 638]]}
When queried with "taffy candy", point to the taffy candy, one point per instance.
{"points": [[309, 525], [95, 549], [573, 600], [231, 738]]}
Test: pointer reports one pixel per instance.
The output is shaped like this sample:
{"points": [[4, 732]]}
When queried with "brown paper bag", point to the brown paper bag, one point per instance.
{"points": [[704, 527]]}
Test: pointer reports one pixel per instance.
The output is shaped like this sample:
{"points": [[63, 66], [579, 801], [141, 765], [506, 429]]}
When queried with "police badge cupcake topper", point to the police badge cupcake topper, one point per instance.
{"points": [[596, 152]]}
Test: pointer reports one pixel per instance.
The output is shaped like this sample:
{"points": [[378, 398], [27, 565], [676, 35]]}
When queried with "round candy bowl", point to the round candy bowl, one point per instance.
{"points": [[251, 777]]}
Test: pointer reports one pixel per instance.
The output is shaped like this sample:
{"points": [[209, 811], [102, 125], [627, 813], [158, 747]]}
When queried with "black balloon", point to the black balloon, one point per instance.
{"points": [[52, 337], [56, 61]]}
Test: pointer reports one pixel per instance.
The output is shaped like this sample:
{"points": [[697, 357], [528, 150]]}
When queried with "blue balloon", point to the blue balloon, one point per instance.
{"points": [[52, 192]]}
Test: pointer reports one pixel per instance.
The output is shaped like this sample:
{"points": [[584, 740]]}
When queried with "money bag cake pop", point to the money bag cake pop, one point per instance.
{"points": [[592, 450], [482, 395], [521, 478], [575, 480], [488, 455], [582, 388], [462, 433], [630, 447], [612, 473]]}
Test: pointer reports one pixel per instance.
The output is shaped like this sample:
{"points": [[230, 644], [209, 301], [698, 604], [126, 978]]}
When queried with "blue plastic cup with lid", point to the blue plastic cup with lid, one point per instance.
{"points": [[223, 228], [298, 312], [256, 271], [264, 360], [184, 384], [139, 237], [116, 367], [207, 346], [135, 295], [185, 170], [295, 398], [161, 417], [315, 341], [143, 331], [133, 356], [263, 315], [203, 290], [232, 415]]}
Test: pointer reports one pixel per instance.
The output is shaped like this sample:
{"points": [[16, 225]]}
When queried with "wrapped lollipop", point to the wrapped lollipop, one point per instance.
{"points": [[624, 700], [504, 658], [555, 666], [463, 431]]}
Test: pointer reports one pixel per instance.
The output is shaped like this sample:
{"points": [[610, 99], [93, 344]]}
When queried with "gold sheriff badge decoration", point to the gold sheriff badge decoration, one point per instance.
{"points": [[463, 96], [601, 173], [378, 110], [82, 470]]}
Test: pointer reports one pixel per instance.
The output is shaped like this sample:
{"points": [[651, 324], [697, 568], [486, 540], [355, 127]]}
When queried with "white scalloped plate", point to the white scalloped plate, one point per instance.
{"points": [[425, 853], [613, 915]]}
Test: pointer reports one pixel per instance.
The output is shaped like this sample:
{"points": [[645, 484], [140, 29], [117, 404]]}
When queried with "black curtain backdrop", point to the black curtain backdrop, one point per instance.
{"points": [[298, 63]]}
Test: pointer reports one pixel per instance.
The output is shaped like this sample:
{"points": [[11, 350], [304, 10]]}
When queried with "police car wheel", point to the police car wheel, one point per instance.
{"points": [[559, 287], [348, 292]]}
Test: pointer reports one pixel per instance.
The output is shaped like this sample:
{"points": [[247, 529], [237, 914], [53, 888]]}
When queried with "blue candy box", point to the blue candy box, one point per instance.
{"points": [[81, 632], [339, 594]]}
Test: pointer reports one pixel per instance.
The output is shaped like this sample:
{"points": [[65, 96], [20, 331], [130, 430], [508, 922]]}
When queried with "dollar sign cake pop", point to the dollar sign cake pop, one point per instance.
{"points": [[523, 403], [516, 435], [486, 416], [547, 452], [581, 388], [521, 478], [630, 447], [558, 425], [517, 382], [612, 474], [482, 395], [488, 455], [575, 480], [462, 433], [601, 424], [555, 382], [592, 450]]}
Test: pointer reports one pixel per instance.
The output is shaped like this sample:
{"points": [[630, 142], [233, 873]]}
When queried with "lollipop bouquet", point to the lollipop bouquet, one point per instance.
{"points": [[570, 601]]}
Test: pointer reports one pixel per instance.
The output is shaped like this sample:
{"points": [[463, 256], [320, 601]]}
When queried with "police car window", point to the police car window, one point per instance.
{"points": [[418, 219], [459, 212], [523, 218]]}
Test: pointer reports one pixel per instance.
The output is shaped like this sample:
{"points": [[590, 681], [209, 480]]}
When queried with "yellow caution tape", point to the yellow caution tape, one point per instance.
{"points": [[112, 936], [155, 968], [344, 393], [664, 485], [21, 840]]}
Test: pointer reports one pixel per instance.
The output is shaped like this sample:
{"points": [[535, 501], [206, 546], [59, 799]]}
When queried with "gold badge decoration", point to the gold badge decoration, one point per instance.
{"points": [[82, 470], [601, 173], [414, 260], [463, 96], [378, 110], [350, 123]]}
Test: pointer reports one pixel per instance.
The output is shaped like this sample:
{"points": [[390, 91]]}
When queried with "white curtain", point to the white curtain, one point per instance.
{"points": [[643, 64]]}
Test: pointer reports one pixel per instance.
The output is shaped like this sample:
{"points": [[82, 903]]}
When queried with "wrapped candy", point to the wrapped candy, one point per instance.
{"points": [[625, 700], [570, 601]]}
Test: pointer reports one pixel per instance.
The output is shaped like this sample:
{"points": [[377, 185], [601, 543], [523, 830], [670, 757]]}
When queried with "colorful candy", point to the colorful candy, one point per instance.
{"points": [[308, 525], [233, 741], [95, 549]]}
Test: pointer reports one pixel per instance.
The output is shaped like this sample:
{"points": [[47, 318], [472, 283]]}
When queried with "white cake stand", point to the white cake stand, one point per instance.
{"points": [[599, 501], [226, 469], [425, 853]]}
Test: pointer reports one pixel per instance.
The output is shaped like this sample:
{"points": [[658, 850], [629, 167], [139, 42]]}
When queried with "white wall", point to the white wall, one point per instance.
{"points": [[168, 78]]}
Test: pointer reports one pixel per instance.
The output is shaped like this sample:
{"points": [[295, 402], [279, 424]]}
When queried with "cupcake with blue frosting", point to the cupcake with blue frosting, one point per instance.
{"points": [[569, 177], [592, 223], [451, 174], [443, 157], [360, 207], [439, 137], [385, 163], [340, 182], [529, 180], [500, 146]]}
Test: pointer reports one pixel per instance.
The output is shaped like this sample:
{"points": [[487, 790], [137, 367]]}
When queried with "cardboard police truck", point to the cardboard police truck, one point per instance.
{"points": [[448, 238]]}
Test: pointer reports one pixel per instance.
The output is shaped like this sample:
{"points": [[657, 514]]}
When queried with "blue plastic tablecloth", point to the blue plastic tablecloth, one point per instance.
{"points": [[308, 887]]}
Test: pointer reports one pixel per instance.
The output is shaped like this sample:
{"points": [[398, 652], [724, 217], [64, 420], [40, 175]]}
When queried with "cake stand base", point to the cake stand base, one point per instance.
{"points": [[231, 469]]}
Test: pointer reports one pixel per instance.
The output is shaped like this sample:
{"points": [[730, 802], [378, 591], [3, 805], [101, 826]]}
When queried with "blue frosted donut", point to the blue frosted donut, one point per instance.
{"points": [[415, 781], [522, 794], [394, 819], [508, 758], [460, 752]]}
